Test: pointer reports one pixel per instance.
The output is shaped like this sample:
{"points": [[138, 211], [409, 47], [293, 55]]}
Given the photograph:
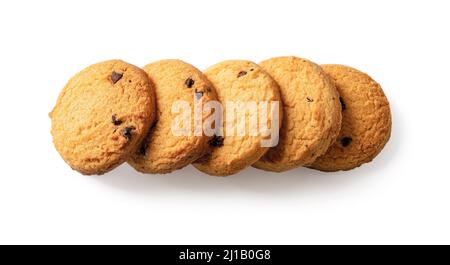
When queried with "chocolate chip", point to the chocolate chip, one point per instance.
{"points": [[127, 132], [342, 103], [189, 82], [143, 148], [309, 99], [116, 77], [251, 70], [216, 141], [115, 121], [241, 73], [345, 141]]}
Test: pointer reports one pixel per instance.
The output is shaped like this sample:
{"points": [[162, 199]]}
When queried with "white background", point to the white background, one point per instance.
{"points": [[401, 197]]}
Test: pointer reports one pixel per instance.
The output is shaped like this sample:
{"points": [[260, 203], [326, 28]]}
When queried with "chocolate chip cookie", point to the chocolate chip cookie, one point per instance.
{"points": [[312, 113], [166, 148], [244, 90], [102, 116], [366, 120]]}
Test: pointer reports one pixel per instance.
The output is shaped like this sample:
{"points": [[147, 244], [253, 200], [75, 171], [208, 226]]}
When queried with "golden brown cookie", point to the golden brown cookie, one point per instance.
{"points": [[312, 113], [366, 120], [166, 150], [102, 115], [237, 147]]}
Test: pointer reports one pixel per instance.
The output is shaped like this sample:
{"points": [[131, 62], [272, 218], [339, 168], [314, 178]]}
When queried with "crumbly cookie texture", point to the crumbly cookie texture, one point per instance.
{"points": [[102, 115], [238, 81], [366, 125], [162, 151], [312, 113]]}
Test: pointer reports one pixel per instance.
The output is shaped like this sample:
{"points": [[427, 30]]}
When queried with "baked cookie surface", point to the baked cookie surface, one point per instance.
{"points": [[366, 120], [163, 151], [102, 115], [238, 81], [312, 113]]}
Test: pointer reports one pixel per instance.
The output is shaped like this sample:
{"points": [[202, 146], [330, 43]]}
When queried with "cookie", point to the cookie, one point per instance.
{"points": [[366, 120], [102, 115], [166, 150], [235, 146], [312, 113]]}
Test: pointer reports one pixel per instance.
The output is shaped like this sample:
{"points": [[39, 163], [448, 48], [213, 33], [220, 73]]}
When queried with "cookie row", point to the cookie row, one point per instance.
{"points": [[329, 117]]}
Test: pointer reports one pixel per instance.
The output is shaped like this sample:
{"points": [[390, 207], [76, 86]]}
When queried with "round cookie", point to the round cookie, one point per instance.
{"points": [[102, 115], [240, 82], [164, 151], [366, 120], [312, 113]]}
